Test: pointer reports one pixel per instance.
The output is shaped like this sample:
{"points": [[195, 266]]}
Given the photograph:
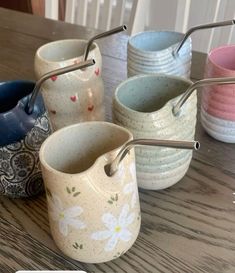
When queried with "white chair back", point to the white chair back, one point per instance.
{"points": [[102, 14], [180, 15], [177, 15]]}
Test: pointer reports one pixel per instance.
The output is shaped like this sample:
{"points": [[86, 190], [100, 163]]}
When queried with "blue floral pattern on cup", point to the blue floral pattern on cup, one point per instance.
{"points": [[20, 174]]}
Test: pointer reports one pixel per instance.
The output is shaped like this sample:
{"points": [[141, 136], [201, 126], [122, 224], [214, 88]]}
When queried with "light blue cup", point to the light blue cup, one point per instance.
{"points": [[165, 52], [152, 52]]}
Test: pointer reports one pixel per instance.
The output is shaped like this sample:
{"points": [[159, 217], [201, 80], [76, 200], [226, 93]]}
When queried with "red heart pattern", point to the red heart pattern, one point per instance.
{"points": [[54, 78], [74, 98], [97, 71], [90, 108]]}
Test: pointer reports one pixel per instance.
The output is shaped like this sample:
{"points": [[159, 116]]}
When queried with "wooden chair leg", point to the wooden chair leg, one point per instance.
{"points": [[38, 7]]}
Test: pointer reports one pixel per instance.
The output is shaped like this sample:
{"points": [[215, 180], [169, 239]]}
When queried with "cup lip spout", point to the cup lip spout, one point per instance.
{"points": [[39, 52], [134, 78], [149, 32], [90, 123]]}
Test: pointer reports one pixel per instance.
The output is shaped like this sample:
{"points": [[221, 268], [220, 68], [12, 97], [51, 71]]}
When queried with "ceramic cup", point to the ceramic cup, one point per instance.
{"points": [[77, 96], [218, 101], [151, 52], [21, 136], [93, 218], [143, 104]]}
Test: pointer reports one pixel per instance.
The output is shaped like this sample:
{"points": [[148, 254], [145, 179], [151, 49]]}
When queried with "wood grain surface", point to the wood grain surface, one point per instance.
{"points": [[188, 228]]}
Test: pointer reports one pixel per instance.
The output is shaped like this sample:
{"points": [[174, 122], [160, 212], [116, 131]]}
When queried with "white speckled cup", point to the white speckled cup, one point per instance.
{"points": [[151, 52], [143, 104], [77, 96], [93, 218]]}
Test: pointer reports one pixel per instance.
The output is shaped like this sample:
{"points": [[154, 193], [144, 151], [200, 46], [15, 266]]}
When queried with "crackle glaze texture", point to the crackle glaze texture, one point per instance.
{"points": [[20, 173], [93, 218], [76, 96], [143, 104], [151, 52], [218, 102]]}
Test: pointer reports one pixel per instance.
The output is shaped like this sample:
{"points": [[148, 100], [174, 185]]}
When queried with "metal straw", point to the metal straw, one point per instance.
{"points": [[201, 83], [102, 35], [60, 71], [206, 26], [112, 167]]}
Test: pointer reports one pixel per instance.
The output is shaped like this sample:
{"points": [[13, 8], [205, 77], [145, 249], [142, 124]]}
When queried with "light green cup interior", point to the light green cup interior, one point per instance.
{"points": [[149, 93]]}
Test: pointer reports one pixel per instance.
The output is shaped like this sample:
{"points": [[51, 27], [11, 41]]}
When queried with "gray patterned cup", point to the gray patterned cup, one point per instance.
{"points": [[21, 136]]}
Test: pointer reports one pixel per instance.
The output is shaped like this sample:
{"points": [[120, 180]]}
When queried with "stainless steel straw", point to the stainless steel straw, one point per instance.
{"points": [[102, 35], [201, 83], [112, 167], [60, 71], [206, 26]]}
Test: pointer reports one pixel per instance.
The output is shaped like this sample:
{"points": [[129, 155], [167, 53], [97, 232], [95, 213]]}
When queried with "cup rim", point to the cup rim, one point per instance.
{"points": [[213, 51], [155, 75], [130, 40], [56, 133], [20, 100], [17, 114], [39, 50]]}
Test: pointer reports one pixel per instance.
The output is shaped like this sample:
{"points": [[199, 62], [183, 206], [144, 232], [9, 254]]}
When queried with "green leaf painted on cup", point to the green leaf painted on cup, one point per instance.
{"points": [[113, 199], [72, 191], [76, 194], [77, 246]]}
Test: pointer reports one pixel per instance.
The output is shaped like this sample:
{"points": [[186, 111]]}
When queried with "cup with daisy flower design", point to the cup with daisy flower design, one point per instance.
{"points": [[93, 217]]}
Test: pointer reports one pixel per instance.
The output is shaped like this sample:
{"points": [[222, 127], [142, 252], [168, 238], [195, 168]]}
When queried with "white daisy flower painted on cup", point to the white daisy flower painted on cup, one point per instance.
{"points": [[130, 188], [65, 217], [117, 229]]}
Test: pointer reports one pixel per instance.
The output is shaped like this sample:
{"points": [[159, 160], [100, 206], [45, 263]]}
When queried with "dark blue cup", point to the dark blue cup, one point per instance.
{"points": [[21, 136]]}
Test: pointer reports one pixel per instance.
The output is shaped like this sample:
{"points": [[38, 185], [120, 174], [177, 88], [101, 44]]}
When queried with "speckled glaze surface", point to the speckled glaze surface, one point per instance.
{"points": [[143, 105], [151, 52], [76, 96], [93, 218], [218, 102]]}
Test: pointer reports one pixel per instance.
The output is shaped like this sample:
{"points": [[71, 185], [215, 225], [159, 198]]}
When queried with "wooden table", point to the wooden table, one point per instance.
{"points": [[189, 227]]}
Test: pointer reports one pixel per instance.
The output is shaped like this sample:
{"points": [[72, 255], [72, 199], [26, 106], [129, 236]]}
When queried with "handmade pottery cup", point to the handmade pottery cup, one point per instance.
{"points": [[151, 52], [165, 52], [93, 217], [92, 193], [144, 105], [21, 136], [77, 96], [218, 101]]}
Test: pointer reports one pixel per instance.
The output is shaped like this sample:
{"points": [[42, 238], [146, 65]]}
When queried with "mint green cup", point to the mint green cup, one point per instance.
{"points": [[143, 104]]}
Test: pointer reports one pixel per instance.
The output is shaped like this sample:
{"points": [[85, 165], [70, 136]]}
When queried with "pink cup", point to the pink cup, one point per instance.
{"points": [[218, 101]]}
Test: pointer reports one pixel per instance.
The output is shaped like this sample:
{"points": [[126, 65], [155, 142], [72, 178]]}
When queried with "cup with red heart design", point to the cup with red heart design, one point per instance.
{"points": [[79, 95]]}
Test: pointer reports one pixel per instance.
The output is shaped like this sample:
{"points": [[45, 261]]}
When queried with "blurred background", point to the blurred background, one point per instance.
{"points": [[175, 15]]}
